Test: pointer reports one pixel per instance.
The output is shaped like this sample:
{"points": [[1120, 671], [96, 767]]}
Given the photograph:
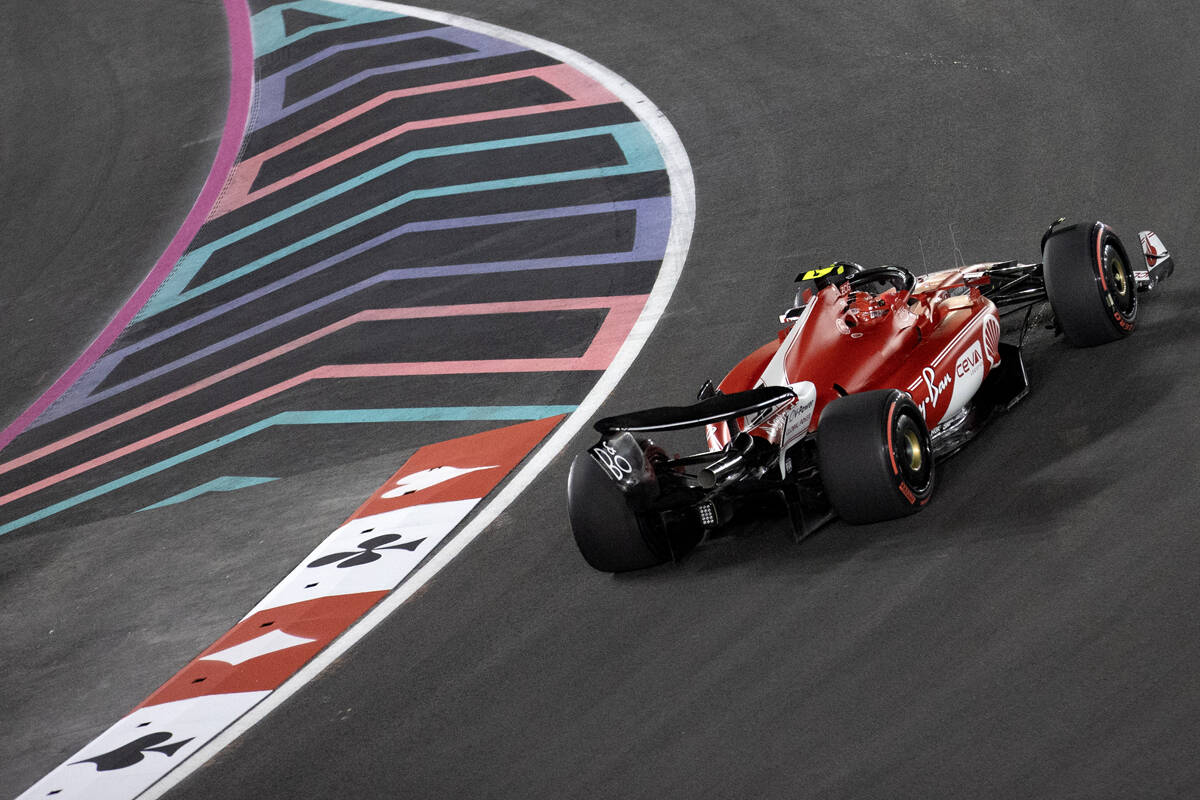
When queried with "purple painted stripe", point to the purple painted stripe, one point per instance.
{"points": [[241, 85], [271, 89], [332, 50], [650, 240]]}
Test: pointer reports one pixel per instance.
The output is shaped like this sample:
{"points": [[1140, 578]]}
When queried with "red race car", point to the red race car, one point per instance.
{"points": [[878, 374]]}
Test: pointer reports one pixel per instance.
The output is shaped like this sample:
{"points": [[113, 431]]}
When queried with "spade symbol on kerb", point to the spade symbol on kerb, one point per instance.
{"points": [[367, 551], [135, 751]]}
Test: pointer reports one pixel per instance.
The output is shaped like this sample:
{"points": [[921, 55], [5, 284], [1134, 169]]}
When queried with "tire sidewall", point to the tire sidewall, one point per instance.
{"points": [[900, 407], [857, 457], [610, 534], [1123, 321], [1081, 291]]}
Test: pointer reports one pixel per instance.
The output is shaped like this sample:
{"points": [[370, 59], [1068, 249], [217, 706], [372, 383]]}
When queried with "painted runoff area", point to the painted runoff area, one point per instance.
{"points": [[405, 533]]}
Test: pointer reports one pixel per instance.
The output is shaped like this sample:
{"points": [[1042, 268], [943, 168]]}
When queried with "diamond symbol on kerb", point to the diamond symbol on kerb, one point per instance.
{"points": [[263, 645], [427, 478]]}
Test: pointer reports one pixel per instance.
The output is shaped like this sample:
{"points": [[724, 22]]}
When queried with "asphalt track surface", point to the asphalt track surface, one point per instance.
{"points": [[111, 122], [1031, 633], [112, 119]]}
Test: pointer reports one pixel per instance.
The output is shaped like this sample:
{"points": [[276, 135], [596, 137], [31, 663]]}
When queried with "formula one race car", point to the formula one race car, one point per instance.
{"points": [[879, 374]]}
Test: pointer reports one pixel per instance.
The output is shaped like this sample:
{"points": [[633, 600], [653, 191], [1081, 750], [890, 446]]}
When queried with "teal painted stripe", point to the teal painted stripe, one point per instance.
{"points": [[641, 155], [338, 417], [226, 483], [269, 33]]}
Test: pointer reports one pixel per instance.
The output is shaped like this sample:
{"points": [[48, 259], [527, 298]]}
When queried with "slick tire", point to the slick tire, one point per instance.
{"points": [[1090, 283], [611, 536], [874, 455]]}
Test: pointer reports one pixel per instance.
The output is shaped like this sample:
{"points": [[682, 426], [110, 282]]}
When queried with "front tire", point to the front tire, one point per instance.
{"points": [[875, 458], [1090, 283], [611, 536]]}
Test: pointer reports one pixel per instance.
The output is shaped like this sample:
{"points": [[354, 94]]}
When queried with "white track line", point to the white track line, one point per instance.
{"points": [[683, 217]]}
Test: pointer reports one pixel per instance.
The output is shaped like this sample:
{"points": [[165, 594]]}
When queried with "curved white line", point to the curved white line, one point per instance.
{"points": [[683, 216]]}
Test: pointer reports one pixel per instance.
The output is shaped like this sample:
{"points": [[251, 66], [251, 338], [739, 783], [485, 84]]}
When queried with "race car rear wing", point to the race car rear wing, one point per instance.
{"points": [[718, 408]]}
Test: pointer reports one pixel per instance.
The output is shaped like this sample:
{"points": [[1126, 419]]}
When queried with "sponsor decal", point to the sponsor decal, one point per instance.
{"points": [[934, 386], [797, 419], [947, 393], [967, 367], [790, 426], [971, 361], [991, 340], [617, 465]]}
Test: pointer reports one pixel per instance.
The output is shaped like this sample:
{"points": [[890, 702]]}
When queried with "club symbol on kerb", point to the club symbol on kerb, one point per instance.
{"points": [[367, 551], [132, 753]]}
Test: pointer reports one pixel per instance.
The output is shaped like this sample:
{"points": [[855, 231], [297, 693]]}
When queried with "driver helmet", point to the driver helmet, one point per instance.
{"points": [[814, 280]]}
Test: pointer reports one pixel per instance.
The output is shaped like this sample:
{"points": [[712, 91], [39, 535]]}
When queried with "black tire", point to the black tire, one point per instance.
{"points": [[1090, 283], [611, 536], [875, 458]]}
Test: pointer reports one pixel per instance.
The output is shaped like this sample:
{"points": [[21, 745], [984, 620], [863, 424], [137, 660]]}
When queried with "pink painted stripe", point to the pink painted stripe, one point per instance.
{"points": [[241, 86], [583, 91], [623, 312]]}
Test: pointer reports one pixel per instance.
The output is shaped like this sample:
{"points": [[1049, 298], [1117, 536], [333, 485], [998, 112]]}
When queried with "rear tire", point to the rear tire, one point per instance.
{"points": [[875, 458], [1090, 283], [611, 536]]}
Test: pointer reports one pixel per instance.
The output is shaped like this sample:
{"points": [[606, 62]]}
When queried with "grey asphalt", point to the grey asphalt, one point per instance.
{"points": [[110, 121], [1030, 634]]}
